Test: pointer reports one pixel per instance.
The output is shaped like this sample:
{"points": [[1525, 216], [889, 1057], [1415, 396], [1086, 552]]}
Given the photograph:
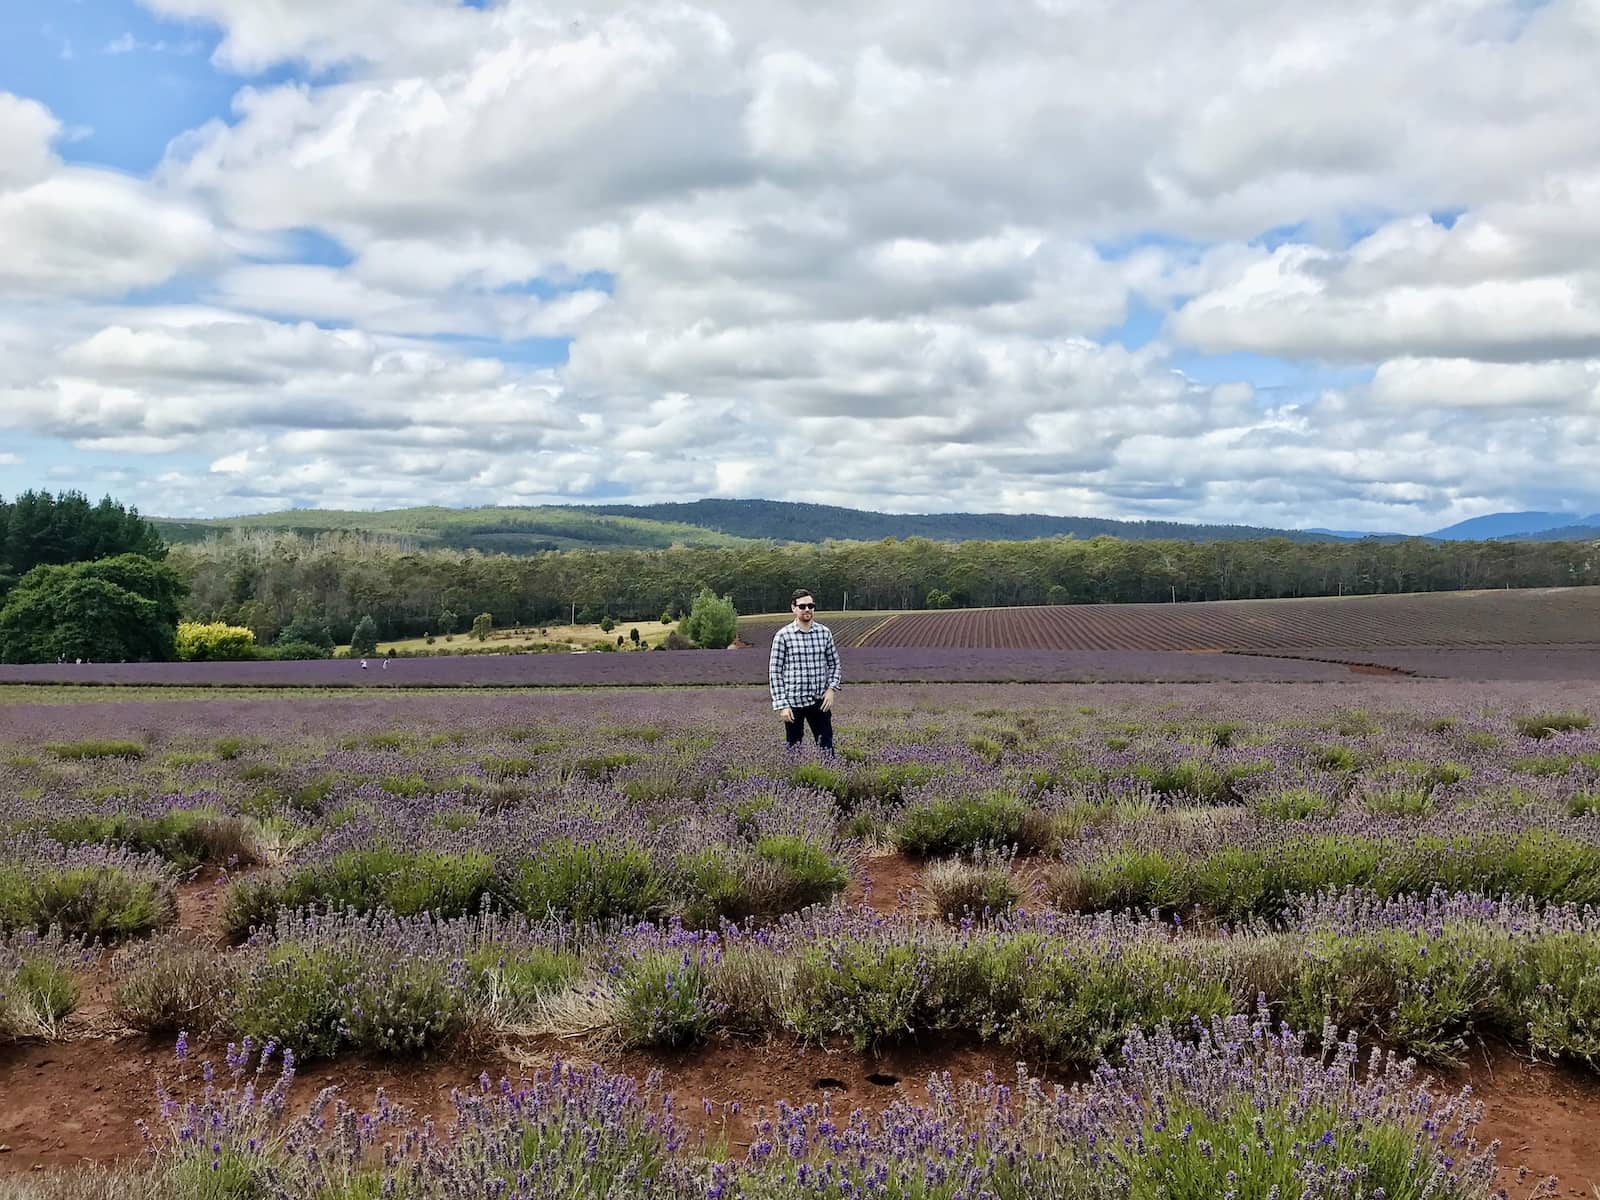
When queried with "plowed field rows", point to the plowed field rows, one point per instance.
{"points": [[849, 629], [1551, 616]]}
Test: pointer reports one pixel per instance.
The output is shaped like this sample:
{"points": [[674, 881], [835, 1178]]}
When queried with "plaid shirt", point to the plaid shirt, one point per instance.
{"points": [[803, 665]]}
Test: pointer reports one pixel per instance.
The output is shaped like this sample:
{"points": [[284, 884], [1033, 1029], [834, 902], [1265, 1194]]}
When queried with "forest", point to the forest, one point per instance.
{"points": [[267, 580]]}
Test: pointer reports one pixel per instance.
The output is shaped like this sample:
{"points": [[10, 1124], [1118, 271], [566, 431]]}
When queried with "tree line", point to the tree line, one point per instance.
{"points": [[270, 582]]}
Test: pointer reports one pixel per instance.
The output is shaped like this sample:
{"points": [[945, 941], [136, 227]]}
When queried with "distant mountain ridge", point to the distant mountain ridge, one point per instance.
{"points": [[782, 520], [1512, 525], [530, 530]]}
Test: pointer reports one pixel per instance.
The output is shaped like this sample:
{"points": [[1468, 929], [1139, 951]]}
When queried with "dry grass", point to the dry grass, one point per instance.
{"points": [[86, 1183], [574, 637]]}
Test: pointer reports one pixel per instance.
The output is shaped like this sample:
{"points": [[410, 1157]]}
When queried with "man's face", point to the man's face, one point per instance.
{"points": [[804, 609]]}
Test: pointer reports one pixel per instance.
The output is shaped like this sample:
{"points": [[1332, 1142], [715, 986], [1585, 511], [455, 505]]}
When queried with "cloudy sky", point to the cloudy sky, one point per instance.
{"points": [[1286, 263]]}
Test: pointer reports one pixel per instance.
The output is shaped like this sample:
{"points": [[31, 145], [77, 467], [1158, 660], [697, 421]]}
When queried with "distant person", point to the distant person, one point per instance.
{"points": [[363, 664], [386, 664], [803, 672]]}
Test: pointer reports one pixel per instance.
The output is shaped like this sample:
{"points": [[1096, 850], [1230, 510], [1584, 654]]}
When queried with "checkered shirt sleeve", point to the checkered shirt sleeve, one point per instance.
{"points": [[802, 666]]}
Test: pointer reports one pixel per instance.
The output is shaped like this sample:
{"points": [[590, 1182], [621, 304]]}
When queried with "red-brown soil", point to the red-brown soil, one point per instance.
{"points": [[200, 903], [1546, 1116], [886, 883]]}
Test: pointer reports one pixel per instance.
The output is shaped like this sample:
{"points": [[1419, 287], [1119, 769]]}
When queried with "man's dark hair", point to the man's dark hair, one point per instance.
{"points": [[800, 592]]}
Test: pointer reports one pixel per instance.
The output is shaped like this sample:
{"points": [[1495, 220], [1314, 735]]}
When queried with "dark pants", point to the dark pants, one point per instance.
{"points": [[821, 726]]}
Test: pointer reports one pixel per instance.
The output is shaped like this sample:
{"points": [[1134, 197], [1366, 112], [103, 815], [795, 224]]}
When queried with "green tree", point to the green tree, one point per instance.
{"points": [[939, 599], [38, 529], [633, 635], [118, 609], [305, 631], [607, 624], [712, 622], [446, 622], [481, 625], [364, 639]]}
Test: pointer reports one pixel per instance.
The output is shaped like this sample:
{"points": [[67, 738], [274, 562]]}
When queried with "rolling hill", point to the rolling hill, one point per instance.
{"points": [[488, 530], [508, 530]]}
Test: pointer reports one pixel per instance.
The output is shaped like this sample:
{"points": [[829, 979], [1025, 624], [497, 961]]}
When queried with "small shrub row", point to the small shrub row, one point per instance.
{"points": [[87, 891], [37, 985], [580, 882], [1239, 882], [332, 981]]}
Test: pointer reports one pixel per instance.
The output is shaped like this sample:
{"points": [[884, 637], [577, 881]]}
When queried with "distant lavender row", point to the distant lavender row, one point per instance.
{"points": [[690, 667], [1486, 663]]}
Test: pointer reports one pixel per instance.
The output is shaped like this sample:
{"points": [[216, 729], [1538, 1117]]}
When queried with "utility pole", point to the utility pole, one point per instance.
{"points": [[846, 607], [574, 619]]}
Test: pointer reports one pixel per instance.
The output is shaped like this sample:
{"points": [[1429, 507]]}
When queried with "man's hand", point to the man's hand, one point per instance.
{"points": [[787, 714], [827, 700]]}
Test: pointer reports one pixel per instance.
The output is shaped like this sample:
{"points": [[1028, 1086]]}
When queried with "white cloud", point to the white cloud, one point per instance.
{"points": [[1411, 289], [26, 131], [844, 253], [75, 230]]}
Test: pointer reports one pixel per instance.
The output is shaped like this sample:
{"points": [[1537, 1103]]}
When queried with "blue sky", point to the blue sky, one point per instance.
{"points": [[122, 106], [709, 249]]}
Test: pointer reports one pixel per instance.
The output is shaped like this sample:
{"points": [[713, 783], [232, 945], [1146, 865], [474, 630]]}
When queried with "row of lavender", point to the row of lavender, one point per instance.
{"points": [[1130, 808], [1239, 1107], [1425, 975]]}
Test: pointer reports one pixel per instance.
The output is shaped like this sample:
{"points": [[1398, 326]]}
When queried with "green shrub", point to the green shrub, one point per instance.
{"points": [[1334, 758], [823, 778], [780, 874], [96, 748], [959, 825], [1077, 1007], [1210, 783], [185, 837], [320, 1001], [712, 623], [1547, 725], [980, 888], [585, 882], [1421, 993], [37, 986], [1238, 883], [604, 766], [1556, 982], [664, 999], [514, 980], [1293, 804], [863, 991], [447, 884], [214, 642], [107, 901], [170, 983]]}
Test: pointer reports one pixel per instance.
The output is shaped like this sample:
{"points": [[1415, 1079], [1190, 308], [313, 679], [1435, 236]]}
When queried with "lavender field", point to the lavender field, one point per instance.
{"points": [[1187, 905], [690, 668]]}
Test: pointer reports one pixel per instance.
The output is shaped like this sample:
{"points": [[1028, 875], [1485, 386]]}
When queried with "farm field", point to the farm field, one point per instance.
{"points": [[1528, 616], [612, 898], [551, 638]]}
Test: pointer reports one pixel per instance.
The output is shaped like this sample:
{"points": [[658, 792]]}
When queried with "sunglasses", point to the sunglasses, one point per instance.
{"points": [[805, 605]]}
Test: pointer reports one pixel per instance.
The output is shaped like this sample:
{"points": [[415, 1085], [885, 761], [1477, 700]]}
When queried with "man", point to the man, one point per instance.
{"points": [[803, 672]]}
